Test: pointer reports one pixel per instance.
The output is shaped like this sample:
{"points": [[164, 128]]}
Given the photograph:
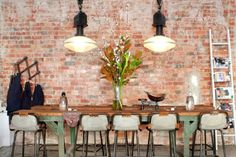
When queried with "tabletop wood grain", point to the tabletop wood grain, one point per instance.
{"points": [[54, 110]]}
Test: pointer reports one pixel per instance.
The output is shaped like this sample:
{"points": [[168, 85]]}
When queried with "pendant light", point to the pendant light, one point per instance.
{"points": [[80, 43], [159, 43]]}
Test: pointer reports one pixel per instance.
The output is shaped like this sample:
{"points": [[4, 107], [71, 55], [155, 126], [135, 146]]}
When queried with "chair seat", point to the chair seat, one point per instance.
{"points": [[126, 123], [24, 123], [94, 123], [163, 122], [213, 121]]}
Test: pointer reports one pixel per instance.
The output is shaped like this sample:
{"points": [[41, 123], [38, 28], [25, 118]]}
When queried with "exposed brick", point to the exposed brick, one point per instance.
{"points": [[38, 30]]}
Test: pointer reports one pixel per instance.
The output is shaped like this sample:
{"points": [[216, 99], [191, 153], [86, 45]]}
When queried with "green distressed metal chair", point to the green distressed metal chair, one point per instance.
{"points": [[162, 122], [27, 123]]}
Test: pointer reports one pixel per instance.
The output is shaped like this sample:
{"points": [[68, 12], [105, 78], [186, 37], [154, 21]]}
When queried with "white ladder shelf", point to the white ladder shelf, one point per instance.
{"points": [[222, 78]]}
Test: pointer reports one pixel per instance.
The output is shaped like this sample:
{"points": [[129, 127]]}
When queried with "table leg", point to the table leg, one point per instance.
{"points": [[61, 140], [72, 139], [190, 125], [56, 124]]}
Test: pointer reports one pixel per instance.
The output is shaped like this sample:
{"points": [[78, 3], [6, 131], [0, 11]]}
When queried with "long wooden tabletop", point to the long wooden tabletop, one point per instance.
{"points": [[54, 110]]}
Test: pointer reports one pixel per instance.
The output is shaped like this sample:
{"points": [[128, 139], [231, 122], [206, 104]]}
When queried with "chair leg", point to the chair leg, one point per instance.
{"points": [[137, 142], [84, 141], [223, 142], [205, 141], [108, 144], [201, 143], [94, 148], [44, 142], [148, 145], [78, 146], [37, 142], [126, 144], [23, 144], [115, 143], [213, 139], [86, 151], [152, 145], [170, 143], [101, 138], [132, 144], [174, 142], [14, 143]]}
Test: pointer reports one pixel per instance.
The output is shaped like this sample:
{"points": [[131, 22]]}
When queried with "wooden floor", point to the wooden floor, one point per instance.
{"points": [[161, 151]]}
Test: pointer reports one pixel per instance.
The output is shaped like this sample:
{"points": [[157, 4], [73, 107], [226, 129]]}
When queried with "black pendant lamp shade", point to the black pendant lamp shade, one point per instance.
{"points": [[159, 21], [80, 22], [159, 43], [80, 43]]}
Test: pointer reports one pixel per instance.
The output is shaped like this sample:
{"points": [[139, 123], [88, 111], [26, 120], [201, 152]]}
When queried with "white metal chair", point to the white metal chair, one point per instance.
{"points": [[162, 122], [213, 122], [126, 123], [27, 123], [95, 123]]}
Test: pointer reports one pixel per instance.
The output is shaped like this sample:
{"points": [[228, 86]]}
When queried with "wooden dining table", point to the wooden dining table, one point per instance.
{"points": [[54, 118]]}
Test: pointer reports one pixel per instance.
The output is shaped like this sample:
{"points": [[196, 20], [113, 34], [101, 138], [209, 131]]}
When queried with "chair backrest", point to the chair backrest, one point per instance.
{"points": [[163, 122], [213, 121], [126, 122], [24, 123], [94, 122]]}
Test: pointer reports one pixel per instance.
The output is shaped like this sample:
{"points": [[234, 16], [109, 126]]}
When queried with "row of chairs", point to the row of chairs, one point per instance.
{"points": [[124, 123]]}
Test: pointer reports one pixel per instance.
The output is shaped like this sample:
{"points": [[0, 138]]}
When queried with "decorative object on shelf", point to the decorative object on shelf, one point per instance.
{"points": [[80, 43], [118, 66], [159, 43]]}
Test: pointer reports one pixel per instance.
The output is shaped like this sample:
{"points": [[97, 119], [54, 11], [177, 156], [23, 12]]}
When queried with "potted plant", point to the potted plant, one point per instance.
{"points": [[118, 66]]}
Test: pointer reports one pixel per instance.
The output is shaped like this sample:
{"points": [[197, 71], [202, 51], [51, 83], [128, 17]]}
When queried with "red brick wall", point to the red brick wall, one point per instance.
{"points": [[37, 29]]}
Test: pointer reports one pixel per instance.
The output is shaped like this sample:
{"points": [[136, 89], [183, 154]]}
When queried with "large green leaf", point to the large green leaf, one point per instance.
{"points": [[118, 64]]}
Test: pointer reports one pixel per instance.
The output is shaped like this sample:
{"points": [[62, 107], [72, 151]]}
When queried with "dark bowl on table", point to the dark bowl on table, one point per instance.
{"points": [[156, 98]]}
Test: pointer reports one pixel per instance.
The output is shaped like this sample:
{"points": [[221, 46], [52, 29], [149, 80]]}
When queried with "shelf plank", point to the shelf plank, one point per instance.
{"points": [[219, 43]]}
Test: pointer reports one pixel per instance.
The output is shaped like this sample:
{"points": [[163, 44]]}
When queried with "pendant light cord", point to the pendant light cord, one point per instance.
{"points": [[159, 2], [80, 2]]}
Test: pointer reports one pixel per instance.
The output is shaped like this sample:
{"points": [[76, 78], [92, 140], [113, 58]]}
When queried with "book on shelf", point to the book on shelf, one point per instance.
{"points": [[221, 77], [224, 93], [220, 62], [226, 106]]}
